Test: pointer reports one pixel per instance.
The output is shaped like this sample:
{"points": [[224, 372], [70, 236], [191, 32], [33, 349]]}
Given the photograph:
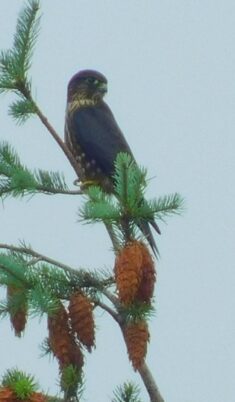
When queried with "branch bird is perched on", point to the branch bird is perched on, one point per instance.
{"points": [[93, 135]]}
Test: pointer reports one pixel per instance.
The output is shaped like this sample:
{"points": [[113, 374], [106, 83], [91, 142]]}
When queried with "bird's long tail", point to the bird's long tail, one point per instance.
{"points": [[145, 229]]}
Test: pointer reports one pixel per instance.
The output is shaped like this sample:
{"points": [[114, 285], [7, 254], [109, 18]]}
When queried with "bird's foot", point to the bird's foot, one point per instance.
{"points": [[85, 184]]}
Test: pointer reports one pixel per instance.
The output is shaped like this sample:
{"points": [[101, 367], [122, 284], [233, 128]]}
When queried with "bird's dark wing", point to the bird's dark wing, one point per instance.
{"points": [[99, 136]]}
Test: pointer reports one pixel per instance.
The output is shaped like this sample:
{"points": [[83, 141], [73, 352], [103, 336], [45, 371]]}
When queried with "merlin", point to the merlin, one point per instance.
{"points": [[94, 137]]}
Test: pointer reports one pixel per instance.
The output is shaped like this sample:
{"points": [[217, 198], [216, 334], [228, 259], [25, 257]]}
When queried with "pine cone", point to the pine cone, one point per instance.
{"points": [[136, 335], [128, 272], [19, 318], [7, 395], [61, 341], [146, 288], [82, 320]]}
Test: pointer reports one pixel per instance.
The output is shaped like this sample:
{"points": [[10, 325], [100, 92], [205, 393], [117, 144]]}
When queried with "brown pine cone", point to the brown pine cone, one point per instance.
{"points": [[19, 318], [128, 272], [7, 395], [61, 341], [146, 288], [136, 335], [82, 320]]}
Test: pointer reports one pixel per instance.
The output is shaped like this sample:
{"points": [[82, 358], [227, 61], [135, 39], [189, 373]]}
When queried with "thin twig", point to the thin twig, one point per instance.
{"points": [[33, 261], [64, 192], [72, 271], [59, 141], [111, 297], [113, 237], [109, 310], [29, 251]]}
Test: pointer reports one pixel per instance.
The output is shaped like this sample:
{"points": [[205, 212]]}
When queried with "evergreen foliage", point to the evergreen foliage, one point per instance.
{"points": [[21, 383], [12, 271], [16, 62], [129, 207], [72, 382], [22, 109], [43, 285], [128, 392], [137, 312], [17, 181]]}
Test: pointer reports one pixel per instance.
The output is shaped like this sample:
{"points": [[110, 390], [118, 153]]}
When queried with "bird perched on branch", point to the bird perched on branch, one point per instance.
{"points": [[93, 135]]}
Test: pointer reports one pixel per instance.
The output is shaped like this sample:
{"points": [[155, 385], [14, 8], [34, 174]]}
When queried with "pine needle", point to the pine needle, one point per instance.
{"points": [[15, 62], [128, 392], [127, 207], [17, 181]]}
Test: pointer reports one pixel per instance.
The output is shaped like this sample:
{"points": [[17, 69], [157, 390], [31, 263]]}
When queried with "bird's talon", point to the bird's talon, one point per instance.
{"points": [[87, 184]]}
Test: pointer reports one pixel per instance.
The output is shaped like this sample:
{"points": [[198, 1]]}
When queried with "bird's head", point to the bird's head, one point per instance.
{"points": [[87, 85]]}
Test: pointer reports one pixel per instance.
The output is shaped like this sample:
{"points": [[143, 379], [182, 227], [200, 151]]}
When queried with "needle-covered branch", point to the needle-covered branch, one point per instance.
{"points": [[22, 386], [17, 180], [21, 259], [128, 207], [38, 288], [14, 74], [16, 62], [128, 392]]}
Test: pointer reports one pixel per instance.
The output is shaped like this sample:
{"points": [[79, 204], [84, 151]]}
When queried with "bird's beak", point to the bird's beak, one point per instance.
{"points": [[103, 87]]}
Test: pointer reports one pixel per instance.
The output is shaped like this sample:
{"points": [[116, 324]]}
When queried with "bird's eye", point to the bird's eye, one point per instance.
{"points": [[90, 80]]}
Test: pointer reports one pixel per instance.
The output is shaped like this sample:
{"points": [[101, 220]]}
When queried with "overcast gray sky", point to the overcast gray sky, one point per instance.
{"points": [[171, 72]]}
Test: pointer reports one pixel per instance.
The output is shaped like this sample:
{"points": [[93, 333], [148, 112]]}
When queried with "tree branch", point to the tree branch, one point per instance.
{"points": [[64, 192], [72, 271], [111, 297], [109, 310], [59, 141], [150, 384], [35, 254], [146, 376], [113, 237]]}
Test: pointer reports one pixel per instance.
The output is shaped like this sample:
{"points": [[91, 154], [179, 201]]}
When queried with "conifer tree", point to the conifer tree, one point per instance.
{"points": [[38, 284]]}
